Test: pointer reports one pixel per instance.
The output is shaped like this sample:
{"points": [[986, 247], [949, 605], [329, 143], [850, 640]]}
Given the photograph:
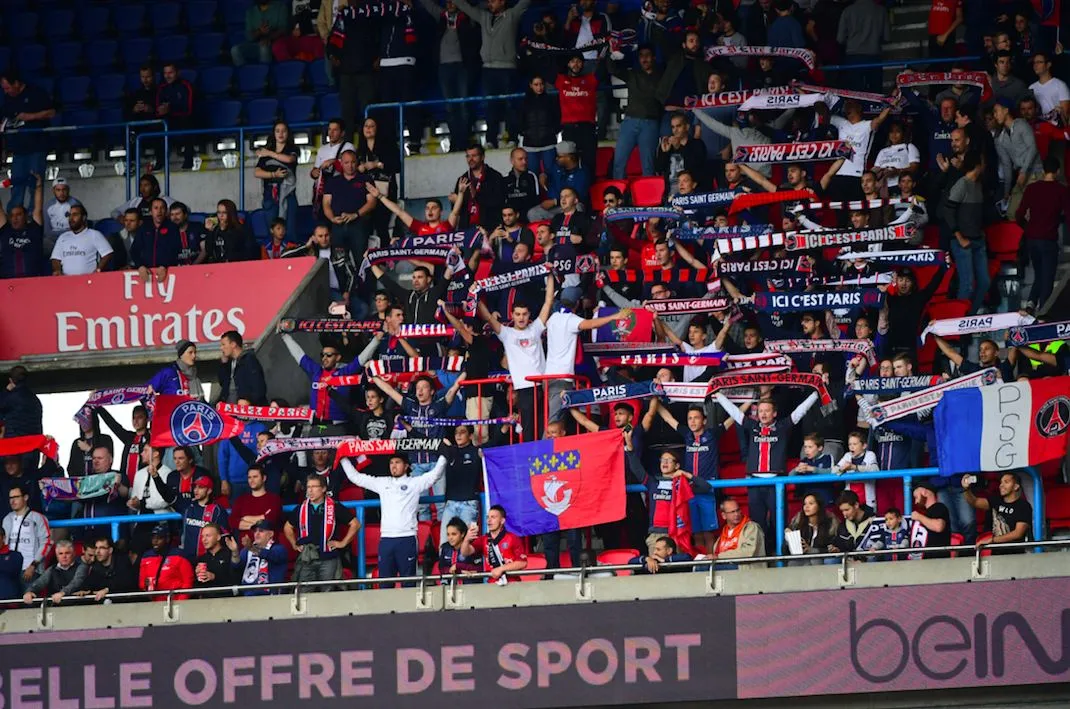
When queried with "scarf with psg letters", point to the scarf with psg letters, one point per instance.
{"points": [[328, 521]]}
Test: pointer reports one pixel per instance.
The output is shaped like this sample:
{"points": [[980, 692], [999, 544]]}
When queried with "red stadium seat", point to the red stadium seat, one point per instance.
{"points": [[603, 161], [1057, 506], [537, 562], [986, 537], [599, 188], [371, 543], [634, 166], [647, 191], [1003, 240], [956, 540], [616, 557], [931, 236], [948, 309]]}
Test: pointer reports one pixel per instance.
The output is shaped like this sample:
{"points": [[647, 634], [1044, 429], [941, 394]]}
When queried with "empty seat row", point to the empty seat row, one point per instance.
{"points": [[96, 20]]}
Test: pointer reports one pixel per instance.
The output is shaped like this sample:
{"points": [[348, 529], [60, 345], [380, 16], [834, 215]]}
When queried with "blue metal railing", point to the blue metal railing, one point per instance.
{"points": [[780, 483], [94, 128]]}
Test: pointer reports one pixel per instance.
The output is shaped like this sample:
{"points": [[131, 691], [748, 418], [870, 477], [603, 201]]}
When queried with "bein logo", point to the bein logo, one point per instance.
{"points": [[942, 647]]}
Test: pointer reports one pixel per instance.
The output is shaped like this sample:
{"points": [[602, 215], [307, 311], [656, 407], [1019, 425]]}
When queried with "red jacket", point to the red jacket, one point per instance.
{"points": [[176, 573], [578, 96]]}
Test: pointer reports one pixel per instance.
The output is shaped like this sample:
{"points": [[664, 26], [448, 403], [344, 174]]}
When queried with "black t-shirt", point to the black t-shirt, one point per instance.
{"points": [[463, 474], [22, 252], [372, 427], [315, 528], [347, 196], [939, 539], [1005, 516]]}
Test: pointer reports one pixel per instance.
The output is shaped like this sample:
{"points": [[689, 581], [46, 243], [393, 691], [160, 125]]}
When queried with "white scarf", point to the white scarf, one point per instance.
{"points": [[970, 324]]}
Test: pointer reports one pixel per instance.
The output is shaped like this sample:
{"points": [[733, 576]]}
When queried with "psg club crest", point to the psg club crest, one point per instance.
{"points": [[555, 480], [1053, 418], [194, 422], [1016, 335]]}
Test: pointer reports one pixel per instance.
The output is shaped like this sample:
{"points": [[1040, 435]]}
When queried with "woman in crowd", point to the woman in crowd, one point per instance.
{"points": [[276, 167], [817, 529]]}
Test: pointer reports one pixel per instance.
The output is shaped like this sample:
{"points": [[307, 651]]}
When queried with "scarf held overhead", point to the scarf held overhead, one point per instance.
{"points": [[675, 306], [688, 232], [27, 444], [764, 267], [114, 396], [892, 385], [972, 324], [805, 56], [669, 359], [1041, 332], [802, 301], [910, 257], [806, 151], [610, 394], [745, 379], [926, 399], [732, 98], [857, 347], [266, 413]]}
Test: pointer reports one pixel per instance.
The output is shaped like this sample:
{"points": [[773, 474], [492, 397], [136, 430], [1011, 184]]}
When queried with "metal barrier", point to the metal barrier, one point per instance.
{"points": [[780, 483], [241, 132], [582, 574], [92, 129]]}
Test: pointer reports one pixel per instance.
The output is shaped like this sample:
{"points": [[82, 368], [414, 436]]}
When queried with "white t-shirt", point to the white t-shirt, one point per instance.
{"points": [[859, 136], [1049, 95], [523, 349], [562, 337], [897, 156], [693, 373], [79, 253], [328, 152]]}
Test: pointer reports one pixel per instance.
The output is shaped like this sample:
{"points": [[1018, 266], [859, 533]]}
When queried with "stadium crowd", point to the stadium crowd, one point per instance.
{"points": [[792, 289]]}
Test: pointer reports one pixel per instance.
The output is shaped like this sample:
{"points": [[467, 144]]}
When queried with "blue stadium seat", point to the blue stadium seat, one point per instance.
{"points": [[46, 84], [200, 15], [252, 80], [133, 80], [190, 75], [235, 36], [66, 57], [234, 15], [128, 19], [81, 117], [305, 221], [74, 92], [317, 75], [61, 24], [207, 48], [164, 17], [30, 59], [216, 81], [115, 136], [287, 78], [5, 58], [107, 226], [109, 90], [330, 107], [261, 111], [25, 26], [102, 55], [93, 20], [224, 114], [135, 51], [258, 222], [298, 109], [172, 48]]}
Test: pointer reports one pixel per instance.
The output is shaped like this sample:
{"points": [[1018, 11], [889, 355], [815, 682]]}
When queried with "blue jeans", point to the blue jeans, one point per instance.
{"points": [[272, 208], [761, 504], [496, 82], [542, 160], [23, 168], [453, 80], [397, 557], [250, 53], [466, 510], [636, 132], [972, 265], [963, 517], [419, 469], [1044, 256]]}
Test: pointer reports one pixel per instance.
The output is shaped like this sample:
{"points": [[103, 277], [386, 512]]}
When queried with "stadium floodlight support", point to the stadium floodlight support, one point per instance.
{"points": [[908, 476]]}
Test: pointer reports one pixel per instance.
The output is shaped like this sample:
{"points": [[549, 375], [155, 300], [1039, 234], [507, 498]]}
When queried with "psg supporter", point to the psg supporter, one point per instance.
{"points": [[261, 560], [163, 568], [197, 513], [933, 517], [326, 375], [450, 558], [22, 245], [501, 551], [213, 566], [663, 552], [319, 529], [667, 501], [1011, 514], [256, 506]]}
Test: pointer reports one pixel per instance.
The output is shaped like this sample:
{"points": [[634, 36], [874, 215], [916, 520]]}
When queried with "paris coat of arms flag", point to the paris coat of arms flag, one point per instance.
{"points": [[1003, 426], [559, 483], [185, 421]]}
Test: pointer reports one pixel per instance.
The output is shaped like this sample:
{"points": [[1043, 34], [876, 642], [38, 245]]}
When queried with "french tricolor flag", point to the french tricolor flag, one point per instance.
{"points": [[1004, 426]]}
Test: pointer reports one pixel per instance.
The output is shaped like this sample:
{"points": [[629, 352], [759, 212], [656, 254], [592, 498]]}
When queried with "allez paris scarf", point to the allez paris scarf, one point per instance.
{"points": [[892, 385], [805, 56], [928, 398], [114, 396], [856, 347], [910, 257], [328, 521], [674, 306], [801, 301], [665, 359], [266, 413], [972, 324], [1041, 332], [687, 232], [732, 98], [804, 151], [757, 363], [611, 394]]}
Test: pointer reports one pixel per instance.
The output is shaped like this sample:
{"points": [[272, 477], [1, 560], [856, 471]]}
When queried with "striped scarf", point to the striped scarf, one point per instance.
{"points": [[803, 151], [732, 98], [805, 56], [414, 364], [926, 399], [857, 347], [744, 379], [304, 516]]}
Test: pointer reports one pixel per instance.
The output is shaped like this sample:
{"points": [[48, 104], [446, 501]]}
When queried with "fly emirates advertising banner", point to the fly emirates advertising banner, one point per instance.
{"points": [[122, 311]]}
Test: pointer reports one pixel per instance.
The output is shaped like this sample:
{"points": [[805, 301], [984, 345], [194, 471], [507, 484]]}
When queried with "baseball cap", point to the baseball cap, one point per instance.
{"points": [[926, 485], [203, 481], [566, 147], [161, 530], [264, 524], [59, 181]]}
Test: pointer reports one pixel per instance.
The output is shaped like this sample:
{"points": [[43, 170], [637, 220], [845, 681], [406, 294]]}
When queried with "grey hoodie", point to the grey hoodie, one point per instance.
{"points": [[499, 33]]}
